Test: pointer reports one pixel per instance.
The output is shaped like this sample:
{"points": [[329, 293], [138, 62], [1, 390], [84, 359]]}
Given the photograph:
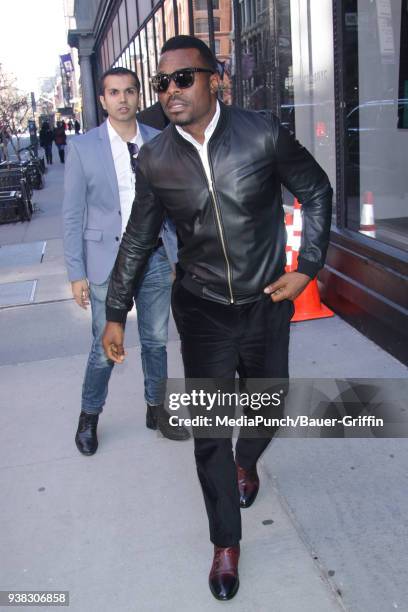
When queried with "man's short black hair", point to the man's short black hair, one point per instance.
{"points": [[118, 71], [191, 42]]}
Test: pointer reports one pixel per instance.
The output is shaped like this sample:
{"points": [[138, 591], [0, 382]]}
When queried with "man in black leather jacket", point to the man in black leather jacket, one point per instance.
{"points": [[217, 171]]}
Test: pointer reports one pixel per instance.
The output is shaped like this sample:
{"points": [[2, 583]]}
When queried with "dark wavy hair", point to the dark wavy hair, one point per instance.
{"points": [[118, 71]]}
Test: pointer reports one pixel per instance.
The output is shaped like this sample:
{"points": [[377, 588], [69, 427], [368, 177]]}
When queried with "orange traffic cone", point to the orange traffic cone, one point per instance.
{"points": [[307, 305], [367, 223]]}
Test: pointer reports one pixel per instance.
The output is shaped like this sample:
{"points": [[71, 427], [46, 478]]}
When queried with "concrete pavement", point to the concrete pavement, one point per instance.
{"points": [[125, 530]]}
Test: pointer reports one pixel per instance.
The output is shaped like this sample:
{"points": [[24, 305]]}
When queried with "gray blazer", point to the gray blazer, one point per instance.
{"points": [[91, 208]]}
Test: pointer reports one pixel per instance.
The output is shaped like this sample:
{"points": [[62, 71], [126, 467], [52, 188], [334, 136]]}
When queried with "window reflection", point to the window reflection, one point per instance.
{"points": [[376, 143], [145, 68]]}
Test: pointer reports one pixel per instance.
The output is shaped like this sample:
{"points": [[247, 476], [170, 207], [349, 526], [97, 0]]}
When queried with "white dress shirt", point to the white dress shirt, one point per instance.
{"points": [[124, 172], [203, 148]]}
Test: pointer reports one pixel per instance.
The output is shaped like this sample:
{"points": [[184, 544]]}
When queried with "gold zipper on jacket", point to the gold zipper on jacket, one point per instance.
{"points": [[217, 214], [221, 230], [218, 219]]}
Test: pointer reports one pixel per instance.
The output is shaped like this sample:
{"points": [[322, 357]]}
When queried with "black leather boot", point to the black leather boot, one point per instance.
{"points": [[85, 438], [158, 418], [151, 417]]}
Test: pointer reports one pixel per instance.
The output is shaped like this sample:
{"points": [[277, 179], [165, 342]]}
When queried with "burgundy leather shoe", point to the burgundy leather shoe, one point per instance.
{"points": [[248, 485], [223, 578]]}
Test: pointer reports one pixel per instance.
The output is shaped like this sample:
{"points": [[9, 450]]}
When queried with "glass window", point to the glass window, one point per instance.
{"points": [[103, 56], [201, 25], [123, 25], [132, 17], [285, 97], [306, 78], [139, 71], [145, 7], [158, 21], [116, 37], [403, 71], [110, 47], [169, 18], [145, 69], [151, 46], [132, 58], [201, 5], [184, 24], [376, 143], [224, 47]]}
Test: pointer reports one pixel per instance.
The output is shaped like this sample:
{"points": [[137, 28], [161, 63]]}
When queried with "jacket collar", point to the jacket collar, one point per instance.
{"points": [[221, 125]]}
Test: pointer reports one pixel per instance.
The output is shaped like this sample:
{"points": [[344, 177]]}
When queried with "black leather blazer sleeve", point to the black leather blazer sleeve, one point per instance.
{"points": [[304, 177], [137, 244]]}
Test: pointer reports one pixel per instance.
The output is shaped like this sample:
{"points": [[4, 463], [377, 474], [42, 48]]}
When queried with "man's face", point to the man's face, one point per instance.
{"points": [[120, 99], [187, 106]]}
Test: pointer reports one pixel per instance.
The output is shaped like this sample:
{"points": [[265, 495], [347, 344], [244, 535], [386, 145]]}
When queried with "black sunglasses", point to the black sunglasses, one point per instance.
{"points": [[183, 78]]}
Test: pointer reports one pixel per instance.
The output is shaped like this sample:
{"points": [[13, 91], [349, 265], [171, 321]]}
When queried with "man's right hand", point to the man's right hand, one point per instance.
{"points": [[112, 341], [80, 292]]}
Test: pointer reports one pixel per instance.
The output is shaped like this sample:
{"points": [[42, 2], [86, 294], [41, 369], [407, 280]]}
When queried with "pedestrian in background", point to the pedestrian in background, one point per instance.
{"points": [[77, 126], [60, 139], [99, 193], [46, 140], [70, 126]]}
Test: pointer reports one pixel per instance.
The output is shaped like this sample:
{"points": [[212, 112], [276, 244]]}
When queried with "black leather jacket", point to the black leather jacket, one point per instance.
{"points": [[232, 233]]}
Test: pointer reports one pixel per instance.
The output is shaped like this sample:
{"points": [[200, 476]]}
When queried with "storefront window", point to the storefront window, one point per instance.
{"points": [[145, 7], [103, 56], [184, 25], [122, 24], [139, 71], [158, 22], [312, 81], [257, 61], [131, 16], [132, 57], [376, 138], [152, 53], [110, 47], [169, 18], [116, 36], [146, 71]]}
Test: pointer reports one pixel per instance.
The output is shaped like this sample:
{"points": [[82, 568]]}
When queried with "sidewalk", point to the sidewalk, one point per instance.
{"points": [[126, 530]]}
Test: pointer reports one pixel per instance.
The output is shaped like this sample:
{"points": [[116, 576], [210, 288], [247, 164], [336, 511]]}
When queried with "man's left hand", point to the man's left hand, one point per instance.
{"points": [[288, 286]]}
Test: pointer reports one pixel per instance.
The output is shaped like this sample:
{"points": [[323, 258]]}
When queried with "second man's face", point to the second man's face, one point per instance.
{"points": [[190, 105], [121, 98]]}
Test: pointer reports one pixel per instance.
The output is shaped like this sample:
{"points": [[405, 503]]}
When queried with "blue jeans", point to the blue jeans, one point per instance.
{"points": [[153, 307]]}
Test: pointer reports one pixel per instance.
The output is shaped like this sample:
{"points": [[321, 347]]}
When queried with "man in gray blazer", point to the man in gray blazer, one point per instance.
{"points": [[99, 189]]}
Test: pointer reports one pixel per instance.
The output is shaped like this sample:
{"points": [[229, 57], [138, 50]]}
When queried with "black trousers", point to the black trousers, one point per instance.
{"points": [[216, 340]]}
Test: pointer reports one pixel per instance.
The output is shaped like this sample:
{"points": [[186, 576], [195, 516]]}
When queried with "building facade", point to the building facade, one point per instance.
{"points": [[336, 72]]}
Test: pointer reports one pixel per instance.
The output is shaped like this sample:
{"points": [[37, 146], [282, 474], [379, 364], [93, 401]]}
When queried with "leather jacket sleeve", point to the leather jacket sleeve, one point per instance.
{"points": [[137, 244], [308, 182]]}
